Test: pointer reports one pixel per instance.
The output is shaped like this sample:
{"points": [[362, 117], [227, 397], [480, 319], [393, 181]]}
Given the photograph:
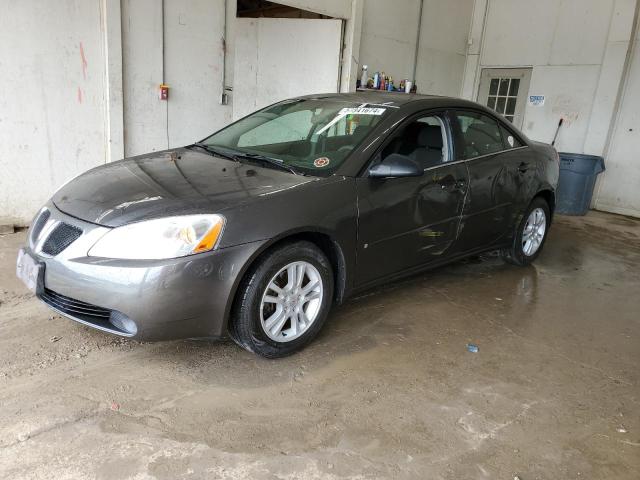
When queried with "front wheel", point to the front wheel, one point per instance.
{"points": [[283, 301], [530, 234]]}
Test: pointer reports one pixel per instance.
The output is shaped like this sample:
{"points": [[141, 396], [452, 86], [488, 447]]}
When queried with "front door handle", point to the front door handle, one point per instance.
{"points": [[523, 167]]}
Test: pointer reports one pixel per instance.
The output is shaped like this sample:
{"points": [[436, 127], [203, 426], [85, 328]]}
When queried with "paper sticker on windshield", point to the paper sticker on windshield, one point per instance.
{"points": [[362, 111], [321, 162]]}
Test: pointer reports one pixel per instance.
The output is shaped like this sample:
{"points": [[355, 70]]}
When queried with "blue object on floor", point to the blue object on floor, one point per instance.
{"points": [[578, 174], [472, 348]]}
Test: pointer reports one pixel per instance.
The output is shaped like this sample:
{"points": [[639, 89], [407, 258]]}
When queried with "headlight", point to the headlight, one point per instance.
{"points": [[169, 237]]}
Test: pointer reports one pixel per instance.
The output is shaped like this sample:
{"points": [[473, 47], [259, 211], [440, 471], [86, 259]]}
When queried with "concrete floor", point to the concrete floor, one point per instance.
{"points": [[387, 391]]}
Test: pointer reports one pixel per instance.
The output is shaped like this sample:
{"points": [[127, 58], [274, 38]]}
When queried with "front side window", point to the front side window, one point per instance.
{"points": [[423, 140], [480, 135], [308, 135]]}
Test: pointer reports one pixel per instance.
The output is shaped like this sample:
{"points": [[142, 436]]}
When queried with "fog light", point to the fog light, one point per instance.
{"points": [[123, 323]]}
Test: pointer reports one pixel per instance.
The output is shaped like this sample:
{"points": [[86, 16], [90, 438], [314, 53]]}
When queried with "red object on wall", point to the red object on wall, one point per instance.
{"points": [[164, 92]]}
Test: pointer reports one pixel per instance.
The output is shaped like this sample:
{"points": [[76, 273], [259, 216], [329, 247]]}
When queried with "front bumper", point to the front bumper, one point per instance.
{"points": [[143, 299]]}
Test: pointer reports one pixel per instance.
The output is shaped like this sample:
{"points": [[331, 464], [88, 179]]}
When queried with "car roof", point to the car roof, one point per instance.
{"points": [[392, 99]]}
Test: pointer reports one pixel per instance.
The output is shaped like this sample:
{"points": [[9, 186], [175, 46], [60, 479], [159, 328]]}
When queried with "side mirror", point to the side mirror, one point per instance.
{"points": [[394, 166]]}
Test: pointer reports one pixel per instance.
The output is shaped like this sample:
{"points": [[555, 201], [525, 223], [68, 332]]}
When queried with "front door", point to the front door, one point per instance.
{"points": [[505, 91], [405, 223]]}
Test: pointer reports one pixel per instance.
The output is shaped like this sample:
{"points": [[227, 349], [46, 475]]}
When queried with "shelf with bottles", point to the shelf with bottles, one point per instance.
{"points": [[379, 81]]}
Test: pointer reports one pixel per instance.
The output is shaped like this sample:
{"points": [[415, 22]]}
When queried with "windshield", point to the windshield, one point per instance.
{"points": [[308, 135]]}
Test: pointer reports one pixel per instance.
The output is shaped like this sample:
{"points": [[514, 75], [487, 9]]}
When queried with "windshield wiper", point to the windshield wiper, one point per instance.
{"points": [[237, 155], [215, 151], [271, 161]]}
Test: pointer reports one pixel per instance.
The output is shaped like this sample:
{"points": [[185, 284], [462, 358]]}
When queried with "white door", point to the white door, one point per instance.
{"points": [[505, 91], [279, 58], [619, 186]]}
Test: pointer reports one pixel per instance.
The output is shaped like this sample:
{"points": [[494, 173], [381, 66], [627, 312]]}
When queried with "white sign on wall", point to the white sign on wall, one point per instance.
{"points": [[536, 100]]}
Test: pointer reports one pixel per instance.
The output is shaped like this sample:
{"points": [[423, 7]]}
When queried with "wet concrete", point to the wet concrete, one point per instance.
{"points": [[387, 391]]}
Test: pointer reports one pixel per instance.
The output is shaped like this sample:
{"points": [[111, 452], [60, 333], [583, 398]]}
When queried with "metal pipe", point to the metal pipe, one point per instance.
{"points": [[415, 58]]}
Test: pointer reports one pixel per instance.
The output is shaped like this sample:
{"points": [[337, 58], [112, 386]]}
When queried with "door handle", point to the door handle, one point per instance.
{"points": [[450, 183], [461, 184], [523, 167]]}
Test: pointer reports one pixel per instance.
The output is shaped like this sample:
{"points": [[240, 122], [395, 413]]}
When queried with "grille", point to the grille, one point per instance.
{"points": [[37, 226], [75, 308], [60, 238], [98, 317]]}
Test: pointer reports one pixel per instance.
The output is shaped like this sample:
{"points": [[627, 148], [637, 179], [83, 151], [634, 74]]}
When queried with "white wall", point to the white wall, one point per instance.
{"points": [[388, 42], [443, 46], [577, 51], [52, 111], [332, 8], [145, 117], [193, 69], [267, 73], [387, 45], [575, 48], [60, 116], [619, 188], [194, 108]]}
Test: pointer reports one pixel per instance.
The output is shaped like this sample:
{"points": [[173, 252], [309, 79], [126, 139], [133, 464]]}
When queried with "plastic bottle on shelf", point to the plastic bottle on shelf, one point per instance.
{"points": [[364, 77]]}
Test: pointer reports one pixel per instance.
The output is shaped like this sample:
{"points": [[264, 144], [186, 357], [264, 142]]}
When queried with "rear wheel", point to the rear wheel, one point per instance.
{"points": [[530, 234], [283, 301]]}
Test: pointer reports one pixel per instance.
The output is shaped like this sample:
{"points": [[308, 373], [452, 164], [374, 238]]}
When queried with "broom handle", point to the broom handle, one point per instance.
{"points": [[557, 131]]}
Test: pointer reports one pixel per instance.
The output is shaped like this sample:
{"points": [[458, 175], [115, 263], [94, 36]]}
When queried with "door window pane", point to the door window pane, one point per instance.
{"points": [[513, 88], [493, 87], [503, 96], [504, 86], [480, 135]]}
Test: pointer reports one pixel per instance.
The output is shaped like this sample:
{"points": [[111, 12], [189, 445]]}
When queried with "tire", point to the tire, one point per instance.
{"points": [[259, 308], [522, 253]]}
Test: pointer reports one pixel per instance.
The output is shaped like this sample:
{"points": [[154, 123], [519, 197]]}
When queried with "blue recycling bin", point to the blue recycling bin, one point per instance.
{"points": [[578, 175]]}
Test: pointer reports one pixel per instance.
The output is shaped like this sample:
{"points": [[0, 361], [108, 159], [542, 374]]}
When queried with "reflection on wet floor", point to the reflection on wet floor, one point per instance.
{"points": [[388, 390]]}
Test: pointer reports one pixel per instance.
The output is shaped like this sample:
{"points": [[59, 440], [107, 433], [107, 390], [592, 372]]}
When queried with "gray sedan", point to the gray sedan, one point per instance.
{"points": [[256, 231]]}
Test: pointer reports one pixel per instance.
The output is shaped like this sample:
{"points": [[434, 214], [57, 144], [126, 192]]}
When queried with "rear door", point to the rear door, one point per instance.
{"points": [[405, 223], [493, 179]]}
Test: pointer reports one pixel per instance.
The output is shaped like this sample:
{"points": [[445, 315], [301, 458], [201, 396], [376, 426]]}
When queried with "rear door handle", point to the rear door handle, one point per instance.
{"points": [[523, 167], [450, 183]]}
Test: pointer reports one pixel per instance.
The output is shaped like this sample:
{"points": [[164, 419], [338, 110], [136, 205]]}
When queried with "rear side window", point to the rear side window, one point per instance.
{"points": [[480, 135], [509, 139]]}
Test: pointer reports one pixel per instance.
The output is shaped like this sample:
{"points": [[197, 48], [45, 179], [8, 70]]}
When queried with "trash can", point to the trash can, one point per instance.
{"points": [[578, 174]]}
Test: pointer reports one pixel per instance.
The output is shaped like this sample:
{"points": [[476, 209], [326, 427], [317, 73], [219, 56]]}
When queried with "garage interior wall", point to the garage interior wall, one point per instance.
{"points": [[576, 50], [80, 77], [390, 31], [52, 101], [618, 189]]}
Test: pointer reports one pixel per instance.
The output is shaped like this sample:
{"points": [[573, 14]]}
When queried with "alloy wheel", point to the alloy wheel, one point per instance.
{"points": [[291, 302], [534, 231]]}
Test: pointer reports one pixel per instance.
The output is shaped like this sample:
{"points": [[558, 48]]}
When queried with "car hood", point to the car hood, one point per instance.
{"points": [[173, 182]]}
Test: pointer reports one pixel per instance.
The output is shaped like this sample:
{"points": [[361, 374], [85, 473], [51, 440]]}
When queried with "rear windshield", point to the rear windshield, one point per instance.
{"points": [[309, 135]]}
